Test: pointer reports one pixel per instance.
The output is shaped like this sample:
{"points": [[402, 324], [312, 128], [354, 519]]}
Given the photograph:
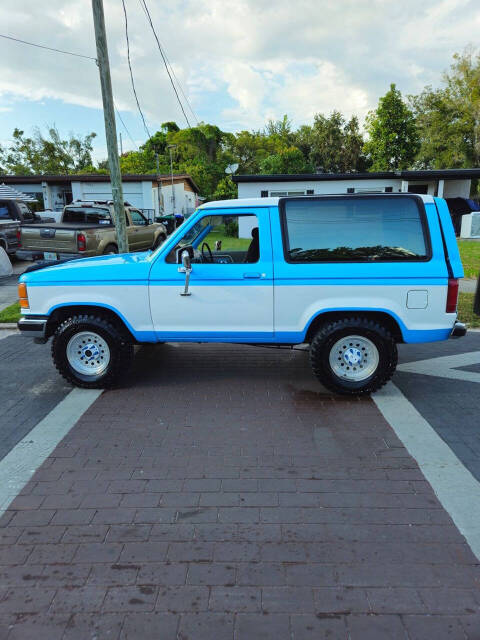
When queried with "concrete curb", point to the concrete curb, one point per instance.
{"points": [[8, 325]]}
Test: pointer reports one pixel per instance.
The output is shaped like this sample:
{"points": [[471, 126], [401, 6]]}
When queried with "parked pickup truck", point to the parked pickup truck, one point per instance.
{"points": [[351, 275], [9, 236], [18, 211], [86, 229]]}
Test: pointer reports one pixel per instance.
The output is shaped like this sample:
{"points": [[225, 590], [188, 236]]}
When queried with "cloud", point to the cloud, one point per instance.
{"points": [[239, 62]]}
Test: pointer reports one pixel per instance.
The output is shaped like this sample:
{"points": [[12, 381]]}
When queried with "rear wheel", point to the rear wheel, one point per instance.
{"points": [[110, 248], [89, 351], [353, 356]]}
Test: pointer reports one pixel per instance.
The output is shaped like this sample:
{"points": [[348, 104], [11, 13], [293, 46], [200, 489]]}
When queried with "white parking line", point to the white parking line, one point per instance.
{"points": [[18, 466], [454, 485], [445, 366]]}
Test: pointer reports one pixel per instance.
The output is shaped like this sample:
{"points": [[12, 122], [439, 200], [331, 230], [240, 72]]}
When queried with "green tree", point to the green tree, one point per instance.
{"points": [[226, 189], [393, 139], [336, 145], [47, 154], [288, 160], [448, 118]]}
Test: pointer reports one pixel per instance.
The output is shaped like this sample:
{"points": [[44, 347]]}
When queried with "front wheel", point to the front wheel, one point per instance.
{"points": [[353, 356], [91, 352]]}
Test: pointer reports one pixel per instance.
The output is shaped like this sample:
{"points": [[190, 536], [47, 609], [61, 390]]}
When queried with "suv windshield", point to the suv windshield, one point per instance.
{"points": [[89, 215]]}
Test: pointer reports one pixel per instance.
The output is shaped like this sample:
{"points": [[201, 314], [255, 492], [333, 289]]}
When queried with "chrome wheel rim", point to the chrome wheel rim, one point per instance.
{"points": [[354, 358], [88, 353]]}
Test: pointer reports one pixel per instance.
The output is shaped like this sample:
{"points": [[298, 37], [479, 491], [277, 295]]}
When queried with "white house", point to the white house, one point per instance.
{"points": [[154, 194], [446, 183]]}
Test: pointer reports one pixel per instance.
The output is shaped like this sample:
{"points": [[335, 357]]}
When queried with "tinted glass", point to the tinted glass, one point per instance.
{"points": [[4, 213], [89, 215], [353, 230], [137, 218]]}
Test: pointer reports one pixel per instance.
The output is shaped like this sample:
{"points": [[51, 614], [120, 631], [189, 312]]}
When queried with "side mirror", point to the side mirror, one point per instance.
{"points": [[186, 268], [186, 262]]}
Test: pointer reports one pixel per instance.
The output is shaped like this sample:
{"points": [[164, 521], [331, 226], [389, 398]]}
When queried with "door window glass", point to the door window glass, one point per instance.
{"points": [[222, 239], [353, 229], [137, 218]]}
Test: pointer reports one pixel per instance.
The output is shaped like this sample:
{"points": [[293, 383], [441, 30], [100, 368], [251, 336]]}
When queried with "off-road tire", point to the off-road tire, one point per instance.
{"points": [[326, 337], [110, 249], [121, 350]]}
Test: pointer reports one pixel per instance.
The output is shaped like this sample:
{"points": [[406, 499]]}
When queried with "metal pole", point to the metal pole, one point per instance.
{"points": [[170, 147], [159, 188], [121, 144], [110, 128]]}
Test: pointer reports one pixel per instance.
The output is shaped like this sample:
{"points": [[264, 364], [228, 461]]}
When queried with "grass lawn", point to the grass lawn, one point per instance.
{"points": [[11, 313], [470, 255], [465, 310], [234, 244]]}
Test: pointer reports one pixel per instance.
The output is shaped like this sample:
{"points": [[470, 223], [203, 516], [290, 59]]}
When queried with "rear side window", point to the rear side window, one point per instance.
{"points": [[360, 229], [87, 215]]}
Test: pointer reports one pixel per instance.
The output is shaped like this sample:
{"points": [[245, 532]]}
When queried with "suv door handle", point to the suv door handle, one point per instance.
{"points": [[253, 274]]}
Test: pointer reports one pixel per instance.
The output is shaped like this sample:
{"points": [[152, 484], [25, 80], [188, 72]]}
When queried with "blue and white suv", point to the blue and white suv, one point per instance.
{"points": [[352, 275]]}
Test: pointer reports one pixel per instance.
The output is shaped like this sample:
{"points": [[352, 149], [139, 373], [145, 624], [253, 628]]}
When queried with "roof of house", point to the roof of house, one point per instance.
{"points": [[99, 177], [241, 203], [426, 174]]}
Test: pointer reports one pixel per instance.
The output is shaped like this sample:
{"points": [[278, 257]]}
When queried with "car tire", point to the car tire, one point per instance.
{"points": [[110, 249], [158, 241], [353, 356], [91, 352]]}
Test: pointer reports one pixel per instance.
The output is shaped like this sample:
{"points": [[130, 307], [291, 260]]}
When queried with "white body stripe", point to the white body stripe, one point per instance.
{"points": [[219, 309], [296, 305], [129, 300]]}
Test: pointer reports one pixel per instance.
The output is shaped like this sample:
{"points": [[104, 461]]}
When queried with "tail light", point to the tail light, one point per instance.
{"points": [[19, 237], [81, 242], [452, 295]]}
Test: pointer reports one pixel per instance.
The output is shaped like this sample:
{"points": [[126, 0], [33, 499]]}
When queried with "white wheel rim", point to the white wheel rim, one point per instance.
{"points": [[88, 353], [354, 358]]}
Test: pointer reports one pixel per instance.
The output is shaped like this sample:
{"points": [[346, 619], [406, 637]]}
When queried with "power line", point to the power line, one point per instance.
{"points": [[125, 126], [41, 46], [164, 60], [77, 55], [131, 72], [173, 72]]}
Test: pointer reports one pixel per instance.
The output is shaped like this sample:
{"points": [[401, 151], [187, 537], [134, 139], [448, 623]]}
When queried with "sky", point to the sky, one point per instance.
{"points": [[239, 63]]}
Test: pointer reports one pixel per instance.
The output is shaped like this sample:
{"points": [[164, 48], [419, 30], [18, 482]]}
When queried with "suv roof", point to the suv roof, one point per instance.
{"points": [[273, 202]]}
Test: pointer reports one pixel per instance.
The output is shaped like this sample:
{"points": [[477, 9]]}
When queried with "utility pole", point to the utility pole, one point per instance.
{"points": [[110, 128], [170, 147]]}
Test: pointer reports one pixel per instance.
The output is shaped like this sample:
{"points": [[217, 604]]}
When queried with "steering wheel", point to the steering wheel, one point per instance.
{"points": [[210, 256]]}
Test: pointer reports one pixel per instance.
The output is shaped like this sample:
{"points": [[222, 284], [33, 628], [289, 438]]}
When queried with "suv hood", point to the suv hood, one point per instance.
{"points": [[123, 267]]}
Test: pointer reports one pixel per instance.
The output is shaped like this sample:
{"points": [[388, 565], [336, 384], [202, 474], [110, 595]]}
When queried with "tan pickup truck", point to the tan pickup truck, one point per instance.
{"points": [[86, 229]]}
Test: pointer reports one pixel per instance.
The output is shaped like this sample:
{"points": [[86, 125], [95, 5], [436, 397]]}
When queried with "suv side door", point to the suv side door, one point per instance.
{"points": [[231, 299]]}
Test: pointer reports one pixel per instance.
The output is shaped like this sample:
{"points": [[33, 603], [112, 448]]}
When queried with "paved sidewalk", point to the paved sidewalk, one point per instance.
{"points": [[225, 495]]}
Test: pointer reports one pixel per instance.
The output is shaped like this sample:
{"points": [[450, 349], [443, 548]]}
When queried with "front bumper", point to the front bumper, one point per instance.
{"points": [[33, 328], [459, 330]]}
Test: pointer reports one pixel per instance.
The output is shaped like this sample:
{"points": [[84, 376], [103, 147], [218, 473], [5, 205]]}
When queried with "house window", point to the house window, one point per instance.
{"points": [[281, 194]]}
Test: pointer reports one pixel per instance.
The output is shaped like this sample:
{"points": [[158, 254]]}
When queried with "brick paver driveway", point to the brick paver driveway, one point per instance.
{"points": [[226, 495]]}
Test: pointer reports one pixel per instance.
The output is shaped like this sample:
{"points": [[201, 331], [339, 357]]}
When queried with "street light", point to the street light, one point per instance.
{"points": [[170, 147]]}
